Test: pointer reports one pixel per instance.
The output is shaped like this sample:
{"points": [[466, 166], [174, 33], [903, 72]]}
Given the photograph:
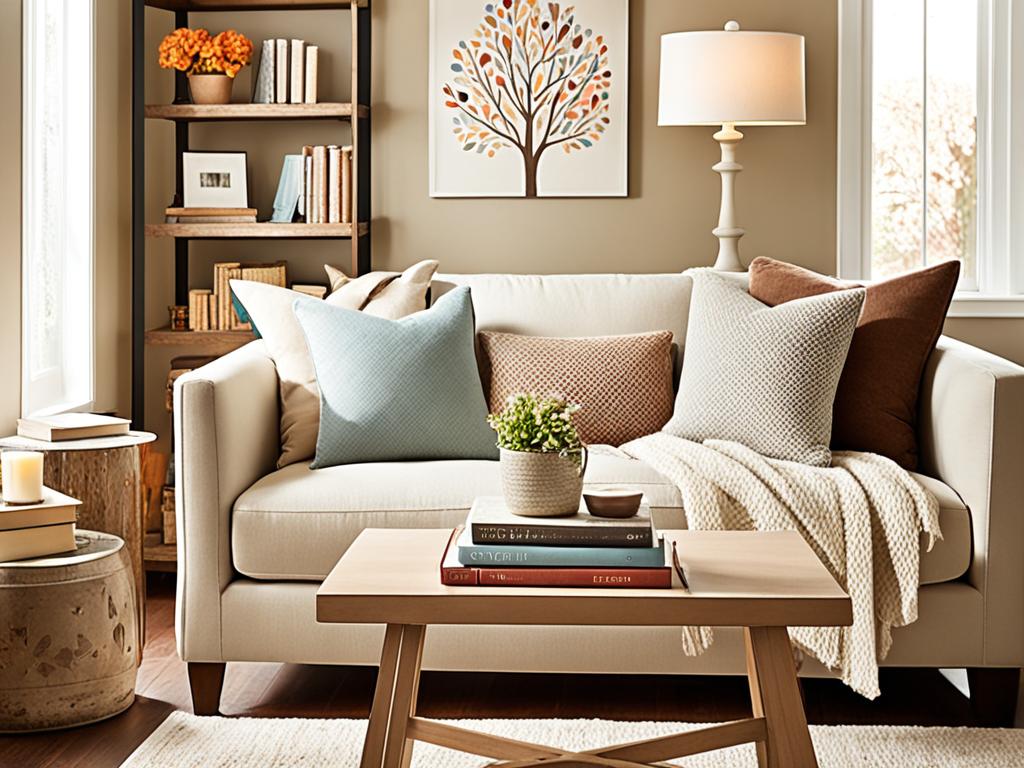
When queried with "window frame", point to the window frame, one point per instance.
{"points": [[1000, 277], [70, 384]]}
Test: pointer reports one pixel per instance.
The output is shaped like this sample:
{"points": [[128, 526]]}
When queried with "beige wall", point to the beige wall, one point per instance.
{"points": [[10, 217]]}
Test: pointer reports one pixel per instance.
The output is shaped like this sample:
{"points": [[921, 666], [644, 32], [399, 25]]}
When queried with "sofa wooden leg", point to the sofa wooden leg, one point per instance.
{"points": [[206, 681], [994, 695]]}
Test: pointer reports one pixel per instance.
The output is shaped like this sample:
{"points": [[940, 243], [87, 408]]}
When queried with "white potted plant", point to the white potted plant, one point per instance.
{"points": [[542, 458]]}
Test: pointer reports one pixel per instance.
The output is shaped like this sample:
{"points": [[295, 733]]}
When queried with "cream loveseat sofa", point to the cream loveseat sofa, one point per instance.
{"points": [[255, 542]]}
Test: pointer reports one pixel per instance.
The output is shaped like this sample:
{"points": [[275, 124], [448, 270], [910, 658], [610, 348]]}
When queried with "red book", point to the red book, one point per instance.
{"points": [[454, 574]]}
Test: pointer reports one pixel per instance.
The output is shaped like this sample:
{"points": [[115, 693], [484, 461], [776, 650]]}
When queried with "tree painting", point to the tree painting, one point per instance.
{"points": [[530, 79]]}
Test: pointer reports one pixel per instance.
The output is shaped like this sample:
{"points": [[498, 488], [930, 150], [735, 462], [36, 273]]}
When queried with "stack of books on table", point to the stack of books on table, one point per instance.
{"points": [[72, 426], [37, 530], [175, 215], [498, 548]]}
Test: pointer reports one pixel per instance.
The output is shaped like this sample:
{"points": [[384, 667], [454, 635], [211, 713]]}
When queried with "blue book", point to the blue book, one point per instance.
{"points": [[510, 555], [289, 189]]}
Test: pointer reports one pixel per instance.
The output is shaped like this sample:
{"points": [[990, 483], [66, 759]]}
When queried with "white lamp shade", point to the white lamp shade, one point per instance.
{"points": [[744, 78]]}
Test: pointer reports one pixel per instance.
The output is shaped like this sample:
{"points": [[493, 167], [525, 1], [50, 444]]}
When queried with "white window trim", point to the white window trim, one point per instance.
{"points": [[78, 362], [1000, 184]]}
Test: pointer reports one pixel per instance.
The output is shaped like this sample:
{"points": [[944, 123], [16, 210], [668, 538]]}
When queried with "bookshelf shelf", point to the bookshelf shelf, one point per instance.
{"points": [[160, 557], [198, 113], [221, 340], [255, 231], [186, 6]]}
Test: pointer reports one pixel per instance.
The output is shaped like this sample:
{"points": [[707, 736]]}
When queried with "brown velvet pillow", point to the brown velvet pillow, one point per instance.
{"points": [[876, 404], [623, 383]]}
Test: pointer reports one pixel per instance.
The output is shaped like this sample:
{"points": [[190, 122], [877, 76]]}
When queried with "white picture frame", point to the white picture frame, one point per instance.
{"points": [[498, 166], [215, 180]]}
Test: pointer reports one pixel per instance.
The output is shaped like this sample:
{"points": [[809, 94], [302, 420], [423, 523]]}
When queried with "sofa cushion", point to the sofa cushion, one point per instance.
{"points": [[622, 383], [392, 390], [876, 402], [294, 524], [763, 376]]}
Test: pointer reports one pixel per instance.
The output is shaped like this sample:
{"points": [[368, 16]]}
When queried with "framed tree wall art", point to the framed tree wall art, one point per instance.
{"points": [[528, 98]]}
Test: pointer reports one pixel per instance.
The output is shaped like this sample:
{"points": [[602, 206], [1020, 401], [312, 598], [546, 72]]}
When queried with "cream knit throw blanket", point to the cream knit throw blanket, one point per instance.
{"points": [[863, 517]]}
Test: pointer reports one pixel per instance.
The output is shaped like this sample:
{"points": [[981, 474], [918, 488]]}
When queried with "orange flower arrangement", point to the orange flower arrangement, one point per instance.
{"points": [[197, 52]]}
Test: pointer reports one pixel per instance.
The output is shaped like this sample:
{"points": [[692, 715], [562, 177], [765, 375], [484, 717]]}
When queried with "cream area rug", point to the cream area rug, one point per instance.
{"points": [[186, 741]]}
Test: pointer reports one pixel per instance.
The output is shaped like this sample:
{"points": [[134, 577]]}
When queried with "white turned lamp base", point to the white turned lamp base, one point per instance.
{"points": [[727, 231]]}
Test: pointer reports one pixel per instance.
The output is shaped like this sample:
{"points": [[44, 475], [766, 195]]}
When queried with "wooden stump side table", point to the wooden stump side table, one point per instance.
{"points": [[105, 474], [68, 655]]}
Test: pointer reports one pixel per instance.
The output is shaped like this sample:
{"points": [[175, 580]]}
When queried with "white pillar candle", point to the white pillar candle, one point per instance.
{"points": [[22, 476]]}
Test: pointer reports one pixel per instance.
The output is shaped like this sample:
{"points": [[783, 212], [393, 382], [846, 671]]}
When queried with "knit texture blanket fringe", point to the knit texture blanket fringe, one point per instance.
{"points": [[864, 518]]}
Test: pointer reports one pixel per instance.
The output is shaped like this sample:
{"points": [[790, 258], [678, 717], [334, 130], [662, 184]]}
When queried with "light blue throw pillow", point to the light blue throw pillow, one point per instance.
{"points": [[393, 390]]}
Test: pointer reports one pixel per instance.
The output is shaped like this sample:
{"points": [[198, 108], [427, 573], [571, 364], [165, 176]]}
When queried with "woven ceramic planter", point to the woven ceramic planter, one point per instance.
{"points": [[542, 484], [210, 89]]}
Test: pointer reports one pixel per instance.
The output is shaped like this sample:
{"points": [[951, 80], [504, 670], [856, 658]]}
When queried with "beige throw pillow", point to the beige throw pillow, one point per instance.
{"points": [[763, 376], [390, 295], [622, 383], [271, 310]]}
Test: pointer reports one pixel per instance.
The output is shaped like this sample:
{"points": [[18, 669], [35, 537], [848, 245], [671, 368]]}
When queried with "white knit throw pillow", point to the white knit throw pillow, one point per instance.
{"points": [[763, 376]]}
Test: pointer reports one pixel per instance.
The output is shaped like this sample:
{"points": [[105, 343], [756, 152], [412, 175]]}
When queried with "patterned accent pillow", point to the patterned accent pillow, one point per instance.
{"points": [[397, 390], [623, 383], [763, 376]]}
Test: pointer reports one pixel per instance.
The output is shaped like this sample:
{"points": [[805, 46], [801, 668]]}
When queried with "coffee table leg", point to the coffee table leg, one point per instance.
{"points": [[377, 728], [775, 695], [398, 749]]}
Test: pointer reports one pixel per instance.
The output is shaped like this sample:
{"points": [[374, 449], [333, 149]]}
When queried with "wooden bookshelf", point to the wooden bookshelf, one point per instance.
{"points": [[352, 118], [254, 231], [199, 113], [222, 341]]}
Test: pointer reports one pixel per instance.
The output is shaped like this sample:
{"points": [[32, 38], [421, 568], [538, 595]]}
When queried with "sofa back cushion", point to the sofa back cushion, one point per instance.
{"points": [[576, 305], [623, 383]]}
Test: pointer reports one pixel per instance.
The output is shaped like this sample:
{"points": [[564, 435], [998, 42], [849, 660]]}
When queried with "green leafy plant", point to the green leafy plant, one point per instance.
{"points": [[538, 424]]}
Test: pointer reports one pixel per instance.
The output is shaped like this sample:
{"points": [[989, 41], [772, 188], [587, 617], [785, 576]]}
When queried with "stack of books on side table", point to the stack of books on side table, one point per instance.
{"points": [[37, 530], [498, 548]]}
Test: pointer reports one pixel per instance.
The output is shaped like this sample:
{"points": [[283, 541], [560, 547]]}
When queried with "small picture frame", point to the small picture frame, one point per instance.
{"points": [[215, 180]]}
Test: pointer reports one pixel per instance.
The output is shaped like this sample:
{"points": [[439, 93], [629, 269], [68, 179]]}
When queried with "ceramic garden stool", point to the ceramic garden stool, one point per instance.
{"points": [[68, 636]]}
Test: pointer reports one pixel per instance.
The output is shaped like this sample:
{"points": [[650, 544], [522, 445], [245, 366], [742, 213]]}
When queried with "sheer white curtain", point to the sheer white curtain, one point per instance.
{"points": [[57, 205]]}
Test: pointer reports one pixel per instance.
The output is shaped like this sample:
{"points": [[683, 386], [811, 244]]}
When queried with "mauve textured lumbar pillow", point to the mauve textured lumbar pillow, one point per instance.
{"points": [[762, 376], [876, 402], [395, 390], [622, 383]]}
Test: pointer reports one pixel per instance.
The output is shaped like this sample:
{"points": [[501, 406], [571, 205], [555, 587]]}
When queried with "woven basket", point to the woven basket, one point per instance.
{"points": [[542, 484]]}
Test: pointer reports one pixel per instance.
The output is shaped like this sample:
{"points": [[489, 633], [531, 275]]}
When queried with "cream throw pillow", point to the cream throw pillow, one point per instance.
{"points": [[763, 376], [390, 295], [271, 310]]}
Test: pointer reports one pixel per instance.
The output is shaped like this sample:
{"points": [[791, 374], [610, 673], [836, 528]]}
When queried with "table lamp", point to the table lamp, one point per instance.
{"points": [[731, 78]]}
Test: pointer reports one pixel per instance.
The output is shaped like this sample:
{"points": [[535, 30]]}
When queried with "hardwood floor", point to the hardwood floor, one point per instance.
{"points": [[919, 697]]}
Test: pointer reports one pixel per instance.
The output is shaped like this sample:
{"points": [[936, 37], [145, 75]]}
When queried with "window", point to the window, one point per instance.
{"points": [[927, 90], [57, 205]]}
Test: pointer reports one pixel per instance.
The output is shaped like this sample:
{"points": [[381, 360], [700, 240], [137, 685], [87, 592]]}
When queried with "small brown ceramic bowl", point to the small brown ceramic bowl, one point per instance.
{"points": [[613, 501]]}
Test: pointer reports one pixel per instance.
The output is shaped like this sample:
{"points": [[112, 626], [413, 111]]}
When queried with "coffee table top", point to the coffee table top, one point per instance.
{"points": [[736, 578]]}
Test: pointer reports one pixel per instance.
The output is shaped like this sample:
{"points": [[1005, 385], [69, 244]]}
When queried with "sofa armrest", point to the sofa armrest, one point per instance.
{"points": [[972, 438], [226, 437]]}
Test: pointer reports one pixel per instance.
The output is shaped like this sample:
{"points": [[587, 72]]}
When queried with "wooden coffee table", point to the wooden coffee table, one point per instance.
{"points": [[763, 582]]}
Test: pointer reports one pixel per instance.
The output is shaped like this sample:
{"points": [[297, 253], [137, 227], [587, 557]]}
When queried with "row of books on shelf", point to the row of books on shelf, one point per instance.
{"points": [[287, 73], [213, 309], [498, 548], [38, 530], [315, 186]]}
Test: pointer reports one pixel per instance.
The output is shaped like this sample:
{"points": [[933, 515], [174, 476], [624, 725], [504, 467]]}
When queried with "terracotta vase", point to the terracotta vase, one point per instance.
{"points": [[210, 89], [542, 484]]}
